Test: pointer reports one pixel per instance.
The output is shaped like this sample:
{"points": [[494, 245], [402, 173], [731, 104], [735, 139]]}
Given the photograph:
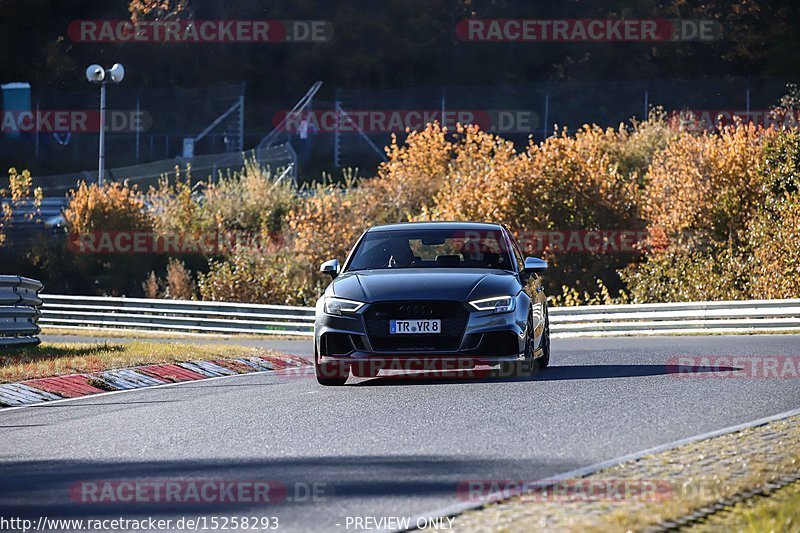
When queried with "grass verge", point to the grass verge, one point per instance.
{"points": [[55, 359], [696, 475], [779, 511]]}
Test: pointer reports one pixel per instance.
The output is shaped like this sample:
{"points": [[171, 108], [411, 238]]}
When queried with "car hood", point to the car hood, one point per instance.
{"points": [[461, 284]]}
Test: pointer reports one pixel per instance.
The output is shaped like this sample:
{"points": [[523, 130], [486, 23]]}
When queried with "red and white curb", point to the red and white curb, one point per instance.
{"points": [[41, 390]]}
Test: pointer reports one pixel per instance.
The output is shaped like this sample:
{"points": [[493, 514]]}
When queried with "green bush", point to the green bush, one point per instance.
{"points": [[714, 274], [251, 276], [250, 200], [774, 234]]}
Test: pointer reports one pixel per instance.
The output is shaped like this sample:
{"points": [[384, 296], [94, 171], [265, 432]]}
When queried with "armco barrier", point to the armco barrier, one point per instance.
{"points": [[736, 316], [19, 310], [181, 316]]}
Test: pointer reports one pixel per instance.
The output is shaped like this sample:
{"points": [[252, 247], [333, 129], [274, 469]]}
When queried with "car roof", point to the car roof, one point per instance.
{"points": [[486, 226]]}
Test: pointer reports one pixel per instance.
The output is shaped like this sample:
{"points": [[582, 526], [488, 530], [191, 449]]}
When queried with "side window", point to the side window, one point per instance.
{"points": [[518, 258]]}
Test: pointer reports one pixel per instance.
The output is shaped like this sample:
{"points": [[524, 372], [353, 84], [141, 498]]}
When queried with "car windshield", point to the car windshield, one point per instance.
{"points": [[431, 248]]}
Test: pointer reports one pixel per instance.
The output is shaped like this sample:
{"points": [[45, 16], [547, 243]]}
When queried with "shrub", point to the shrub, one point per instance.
{"points": [[774, 234], [152, 286], [775, 240], [328, 221], [280, 278], [412, 175], [113, 206], [564, 182], [180, 284], [633, 148], [571, 296], [110, 207], [781, 168], [480, 180], [705, 187], [249, 200], [175, 207], [721, 208], [683, 276], [249, 203], [19, 190]]}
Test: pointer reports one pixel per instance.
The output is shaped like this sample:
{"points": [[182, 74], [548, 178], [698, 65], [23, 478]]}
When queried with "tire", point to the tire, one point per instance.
{"points": [[330, 374], [524, 368], [543, 361]]}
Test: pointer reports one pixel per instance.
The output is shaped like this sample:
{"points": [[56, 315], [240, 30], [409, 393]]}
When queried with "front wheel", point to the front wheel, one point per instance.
{"points": [[330, 374], [544, 360], [525, 367]]}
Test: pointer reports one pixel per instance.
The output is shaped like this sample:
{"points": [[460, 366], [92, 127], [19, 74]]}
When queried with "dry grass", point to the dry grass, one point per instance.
{"points": [[698, 474], [777, 512], [695, 493], [54, 359]]}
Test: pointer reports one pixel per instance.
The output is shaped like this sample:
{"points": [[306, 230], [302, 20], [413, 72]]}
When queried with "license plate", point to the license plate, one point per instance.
{"points": [[415, 327]]}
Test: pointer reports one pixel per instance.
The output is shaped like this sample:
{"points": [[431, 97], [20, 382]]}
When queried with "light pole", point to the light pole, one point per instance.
{"points": [[96, 74]]}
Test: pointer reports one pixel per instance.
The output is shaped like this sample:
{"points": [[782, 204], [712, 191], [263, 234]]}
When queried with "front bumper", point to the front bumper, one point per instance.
{"points": [[483, 338]]}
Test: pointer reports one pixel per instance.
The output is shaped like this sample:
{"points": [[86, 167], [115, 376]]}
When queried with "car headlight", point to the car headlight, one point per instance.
{"points": [[337, 306], [498, 304]]}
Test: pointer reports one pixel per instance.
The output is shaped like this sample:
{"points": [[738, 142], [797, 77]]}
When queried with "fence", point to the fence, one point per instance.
{"points": [[19, 302], [143, 124], [203, 167], [516, 111], [178, 316]]}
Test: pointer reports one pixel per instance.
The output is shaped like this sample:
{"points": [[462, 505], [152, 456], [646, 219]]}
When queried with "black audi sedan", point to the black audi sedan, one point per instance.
{"points": [[431, 296]]}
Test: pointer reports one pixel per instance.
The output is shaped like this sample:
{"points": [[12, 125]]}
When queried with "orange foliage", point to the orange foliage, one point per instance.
{"points": [[113, 206], [706, 186]]}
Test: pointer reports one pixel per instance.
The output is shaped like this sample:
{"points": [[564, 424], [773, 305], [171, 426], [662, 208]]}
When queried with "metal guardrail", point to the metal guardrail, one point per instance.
{"points": [[181, 316], [735, 316], [178, 316], [19, 310]]}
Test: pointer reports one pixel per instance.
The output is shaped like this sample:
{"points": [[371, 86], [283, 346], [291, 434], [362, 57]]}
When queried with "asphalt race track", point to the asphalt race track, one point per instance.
{"points": [[379, 447]]}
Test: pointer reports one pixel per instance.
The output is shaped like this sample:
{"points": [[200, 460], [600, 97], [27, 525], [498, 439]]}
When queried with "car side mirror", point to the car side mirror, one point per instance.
{"points": [[330, 268], [534, 265]]}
